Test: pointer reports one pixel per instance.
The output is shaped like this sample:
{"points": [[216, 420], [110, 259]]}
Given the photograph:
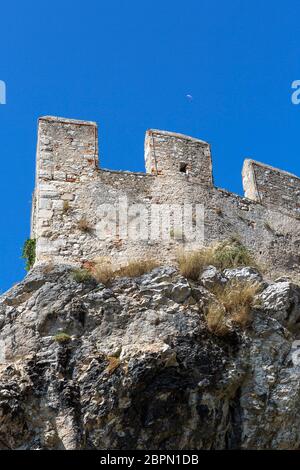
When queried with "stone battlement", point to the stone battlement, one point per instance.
{"points": [[71, 188]]}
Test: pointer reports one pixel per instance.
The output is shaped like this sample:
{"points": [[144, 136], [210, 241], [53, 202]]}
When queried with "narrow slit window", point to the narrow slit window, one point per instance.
{"points": [[183, 167]]}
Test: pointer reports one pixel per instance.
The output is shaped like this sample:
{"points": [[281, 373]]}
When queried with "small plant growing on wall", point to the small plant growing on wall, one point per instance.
{"points": [[66, 207], [28, 253], [84, 225]]}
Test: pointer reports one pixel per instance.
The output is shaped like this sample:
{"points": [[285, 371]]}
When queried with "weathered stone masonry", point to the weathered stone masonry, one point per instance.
{"points": [[71, 186]]}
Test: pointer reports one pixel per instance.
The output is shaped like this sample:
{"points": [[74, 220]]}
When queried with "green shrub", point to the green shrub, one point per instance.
{"points": [[82, 275], [28, 253], [231, 254], [62, 337]]}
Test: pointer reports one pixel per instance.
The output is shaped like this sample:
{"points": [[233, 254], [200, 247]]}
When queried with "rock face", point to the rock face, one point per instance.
{"points": [[138, 368]]}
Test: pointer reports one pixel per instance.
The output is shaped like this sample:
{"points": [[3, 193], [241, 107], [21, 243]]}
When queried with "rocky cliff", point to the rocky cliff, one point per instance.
{"points": [[135, 366]]}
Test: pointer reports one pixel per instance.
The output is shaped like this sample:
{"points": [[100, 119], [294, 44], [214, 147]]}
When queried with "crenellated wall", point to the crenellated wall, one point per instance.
{"points": [[272, 187], [168, 153], [71, 188]]}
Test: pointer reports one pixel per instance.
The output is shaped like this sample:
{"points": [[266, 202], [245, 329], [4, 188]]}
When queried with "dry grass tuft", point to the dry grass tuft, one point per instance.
{"points": [[192, 263], [227, 254], [84, 225], [216, 319], [233, 303], [66, 207], [137, 268], [113, 364], [104, 272]]}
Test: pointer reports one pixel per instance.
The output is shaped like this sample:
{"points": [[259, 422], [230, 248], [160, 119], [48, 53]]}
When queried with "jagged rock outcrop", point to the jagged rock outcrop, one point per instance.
{"points": [[137, 367]]}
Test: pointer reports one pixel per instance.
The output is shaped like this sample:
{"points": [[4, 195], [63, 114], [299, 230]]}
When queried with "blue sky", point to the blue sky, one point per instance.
{"points": [[129, 65]]}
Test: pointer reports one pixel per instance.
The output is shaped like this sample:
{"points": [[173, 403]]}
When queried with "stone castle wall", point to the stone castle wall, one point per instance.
{"points": [[272, 187], [71, 187]]}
